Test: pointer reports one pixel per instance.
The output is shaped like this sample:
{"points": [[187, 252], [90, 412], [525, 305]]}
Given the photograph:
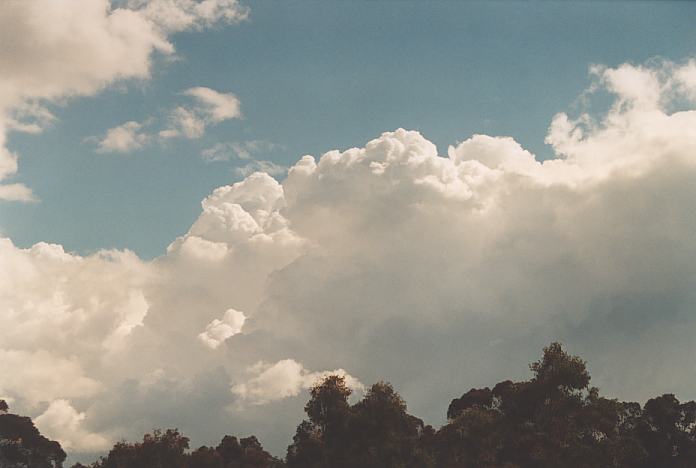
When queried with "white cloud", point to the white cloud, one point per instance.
{"points": [[266, 167], [29, 117], [63, 423], [389, 261], [16, 192], [283, 379], [93, 45], [217, 331], [243, 150], [179, 15], [40, 376], [494, 153], [214, 105], [123, 138], [634, 85], [184, 122]]}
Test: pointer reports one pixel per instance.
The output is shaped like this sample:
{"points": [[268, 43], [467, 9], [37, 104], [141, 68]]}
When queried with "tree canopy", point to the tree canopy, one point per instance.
{"points": [[21, 444], [554, 419]]}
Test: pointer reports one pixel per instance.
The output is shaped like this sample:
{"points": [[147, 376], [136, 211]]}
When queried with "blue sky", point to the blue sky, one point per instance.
{"points": [[313, 76]]}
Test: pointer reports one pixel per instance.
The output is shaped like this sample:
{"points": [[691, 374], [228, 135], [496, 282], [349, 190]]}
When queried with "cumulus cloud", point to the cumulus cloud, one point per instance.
{"points": [[212, 107], [16, 192], [64, 423], [685, 77], [217, 331], [41, 375], [123, 138], [284, 379], [435, 272], [93, 45], [182, 122]]}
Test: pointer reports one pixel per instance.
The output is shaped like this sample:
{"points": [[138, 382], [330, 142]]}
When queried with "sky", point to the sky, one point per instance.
{"points": [[315, 76], [206, 206]]}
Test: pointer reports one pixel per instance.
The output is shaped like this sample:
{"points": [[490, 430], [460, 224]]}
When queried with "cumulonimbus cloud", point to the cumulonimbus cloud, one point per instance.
{"points": [[390, 261]]}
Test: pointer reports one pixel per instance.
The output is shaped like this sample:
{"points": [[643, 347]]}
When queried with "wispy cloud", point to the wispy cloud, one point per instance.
{"points": [[211, 108], [243, 150]]}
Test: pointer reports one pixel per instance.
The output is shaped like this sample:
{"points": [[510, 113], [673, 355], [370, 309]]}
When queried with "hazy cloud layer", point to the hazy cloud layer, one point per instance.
{"points": [[390, 261]]}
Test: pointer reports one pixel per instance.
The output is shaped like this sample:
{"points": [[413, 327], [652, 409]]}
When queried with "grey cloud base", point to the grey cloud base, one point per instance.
{"points": [[382, 262]]}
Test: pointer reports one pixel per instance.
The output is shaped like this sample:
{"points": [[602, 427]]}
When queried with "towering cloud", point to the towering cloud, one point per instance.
{"points": [[389, 261]]}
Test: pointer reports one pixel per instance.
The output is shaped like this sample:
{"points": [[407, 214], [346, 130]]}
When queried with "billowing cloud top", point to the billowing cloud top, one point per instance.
{"points": [[386, 261]]}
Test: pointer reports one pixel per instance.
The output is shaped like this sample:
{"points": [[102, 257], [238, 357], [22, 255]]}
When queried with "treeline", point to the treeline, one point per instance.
{"points": [[555, 419]]}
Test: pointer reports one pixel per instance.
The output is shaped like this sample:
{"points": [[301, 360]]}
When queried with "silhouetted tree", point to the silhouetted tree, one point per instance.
{"points": [[168, 449], [383, 434], [375, 432], [21, 444], [667, 431], [321, 439], [555, 419], [157, 450], [232, 453]]}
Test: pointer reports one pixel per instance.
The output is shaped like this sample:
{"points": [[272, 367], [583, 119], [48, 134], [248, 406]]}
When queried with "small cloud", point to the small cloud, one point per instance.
{"points": [[215, 106], [286, 378], [16, 192], [30, 117], [181, 15], [269, 167], [218, 152], [168, 133], [212, 107], [243, 150], [123, 138], [184, 122], [219, 330]]}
